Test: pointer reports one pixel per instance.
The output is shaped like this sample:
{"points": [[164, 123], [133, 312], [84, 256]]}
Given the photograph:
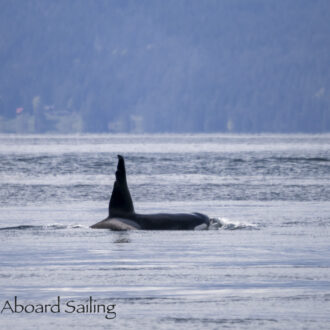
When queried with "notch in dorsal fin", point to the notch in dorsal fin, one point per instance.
{"points": [[121, 201]]}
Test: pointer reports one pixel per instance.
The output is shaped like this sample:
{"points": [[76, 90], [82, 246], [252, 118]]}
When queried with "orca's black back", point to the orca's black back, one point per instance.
{"points": [[171, 221]]}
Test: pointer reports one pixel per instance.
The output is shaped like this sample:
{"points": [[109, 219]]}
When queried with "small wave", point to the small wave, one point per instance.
{"points": [[43, 227], [23, 227], [223, 321], [32, 159], [302, 159], [226, 224], [216, 223]]}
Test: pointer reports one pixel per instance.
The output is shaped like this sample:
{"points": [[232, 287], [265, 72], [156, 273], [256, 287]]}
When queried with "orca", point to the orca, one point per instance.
{"points": [[122, 215]]}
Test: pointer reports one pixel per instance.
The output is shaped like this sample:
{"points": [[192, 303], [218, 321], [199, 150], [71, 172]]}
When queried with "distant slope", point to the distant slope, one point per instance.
{"points": [[165, 66]]}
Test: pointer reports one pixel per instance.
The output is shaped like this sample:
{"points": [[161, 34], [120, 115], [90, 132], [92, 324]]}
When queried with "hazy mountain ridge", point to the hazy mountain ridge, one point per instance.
{"points": [[154, 66]]}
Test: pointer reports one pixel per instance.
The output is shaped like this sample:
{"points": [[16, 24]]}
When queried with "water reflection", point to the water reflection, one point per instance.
{"points": [[122, 237]]}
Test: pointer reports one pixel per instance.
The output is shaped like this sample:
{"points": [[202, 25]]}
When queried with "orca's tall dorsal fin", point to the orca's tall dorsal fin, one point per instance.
{"points": [[121, 201]]}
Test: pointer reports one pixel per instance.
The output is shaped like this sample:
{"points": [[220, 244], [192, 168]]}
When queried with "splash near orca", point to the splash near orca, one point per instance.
{"points": [[122, 215]]}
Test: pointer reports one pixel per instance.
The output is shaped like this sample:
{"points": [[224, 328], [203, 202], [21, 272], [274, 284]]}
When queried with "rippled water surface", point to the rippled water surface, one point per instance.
{"points": [[268, 267]]}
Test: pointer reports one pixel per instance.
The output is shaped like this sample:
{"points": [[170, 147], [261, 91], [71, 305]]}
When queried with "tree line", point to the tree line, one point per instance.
{"points": [[165, 66]]}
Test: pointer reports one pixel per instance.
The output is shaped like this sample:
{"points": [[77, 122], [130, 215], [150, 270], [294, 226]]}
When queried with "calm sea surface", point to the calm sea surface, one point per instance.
{"points": [[268, 267]]}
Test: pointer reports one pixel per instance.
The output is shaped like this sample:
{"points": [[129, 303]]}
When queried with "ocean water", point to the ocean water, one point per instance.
{"points": [[267, 267]]}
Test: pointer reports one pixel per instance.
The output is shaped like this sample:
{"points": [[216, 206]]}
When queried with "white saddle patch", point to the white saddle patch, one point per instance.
{"points": [[117, 224]]}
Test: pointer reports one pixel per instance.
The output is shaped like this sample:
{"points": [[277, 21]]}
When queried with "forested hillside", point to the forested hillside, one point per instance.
{"points": [[165, 66]]}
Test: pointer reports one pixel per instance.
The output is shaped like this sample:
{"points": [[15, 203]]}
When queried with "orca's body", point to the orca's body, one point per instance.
{"points": [[123, 217]]}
